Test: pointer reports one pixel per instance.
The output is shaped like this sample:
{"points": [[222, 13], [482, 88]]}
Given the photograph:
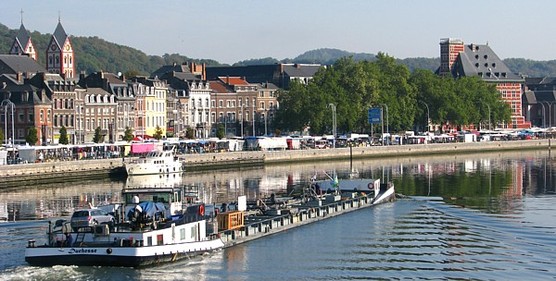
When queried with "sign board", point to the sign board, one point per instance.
{"points": [[375, 115]]}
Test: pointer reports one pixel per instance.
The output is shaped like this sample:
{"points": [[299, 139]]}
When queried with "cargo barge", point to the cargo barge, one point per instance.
{"points": [[165, 224], [237, 227]]}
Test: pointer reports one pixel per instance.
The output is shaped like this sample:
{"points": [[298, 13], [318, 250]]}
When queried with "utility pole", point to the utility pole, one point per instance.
{"points": [[333, 107]]}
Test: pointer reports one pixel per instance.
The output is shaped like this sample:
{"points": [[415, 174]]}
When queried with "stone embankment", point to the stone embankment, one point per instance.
{"points": [[78, 170]]}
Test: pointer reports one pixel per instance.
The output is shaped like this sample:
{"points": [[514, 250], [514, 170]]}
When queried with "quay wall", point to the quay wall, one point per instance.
{"points": [[76, 170]]}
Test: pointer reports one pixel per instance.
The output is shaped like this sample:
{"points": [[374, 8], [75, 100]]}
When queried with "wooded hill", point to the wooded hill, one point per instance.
{"points": [[94, 54]]}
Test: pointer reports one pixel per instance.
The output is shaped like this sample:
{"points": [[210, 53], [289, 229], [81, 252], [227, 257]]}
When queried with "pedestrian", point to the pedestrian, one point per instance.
{"points": [[69, 239]]}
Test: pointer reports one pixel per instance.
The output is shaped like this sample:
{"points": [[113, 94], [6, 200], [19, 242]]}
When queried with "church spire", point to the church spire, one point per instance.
{"points": [[22, 43]]}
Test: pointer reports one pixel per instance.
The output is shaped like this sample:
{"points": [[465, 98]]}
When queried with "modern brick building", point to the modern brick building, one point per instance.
{"points": [[459, 60]]}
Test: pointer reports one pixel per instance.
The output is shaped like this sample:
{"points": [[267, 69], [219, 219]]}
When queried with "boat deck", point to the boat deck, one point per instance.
{"points": [[257, 226]]}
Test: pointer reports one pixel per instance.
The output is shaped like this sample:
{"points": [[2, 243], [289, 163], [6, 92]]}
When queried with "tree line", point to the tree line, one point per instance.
{"points": [[95, 54], [355, 86]]}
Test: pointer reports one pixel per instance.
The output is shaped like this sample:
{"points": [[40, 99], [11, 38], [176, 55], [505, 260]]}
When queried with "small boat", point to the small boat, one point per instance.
{"points": [[154, 225], [155, 162], [381, 191]]}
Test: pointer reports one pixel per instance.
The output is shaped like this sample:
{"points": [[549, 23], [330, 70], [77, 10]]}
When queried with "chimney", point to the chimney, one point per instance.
{"points": [[18, 77]]}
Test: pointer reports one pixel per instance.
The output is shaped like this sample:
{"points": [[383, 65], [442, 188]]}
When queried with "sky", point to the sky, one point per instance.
{"points": [[231, 31]]}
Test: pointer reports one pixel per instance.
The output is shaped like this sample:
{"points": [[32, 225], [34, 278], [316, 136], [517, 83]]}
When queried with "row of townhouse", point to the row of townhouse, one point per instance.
{"points": [[175, 104], [175, 99]]}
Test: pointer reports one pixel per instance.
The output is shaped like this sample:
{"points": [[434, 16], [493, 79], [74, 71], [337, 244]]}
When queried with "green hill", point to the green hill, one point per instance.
{"points": [[94, 54]]}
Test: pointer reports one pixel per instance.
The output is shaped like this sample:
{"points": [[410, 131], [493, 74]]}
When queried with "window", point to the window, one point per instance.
{"points": [[182, 234], [193, 232]]}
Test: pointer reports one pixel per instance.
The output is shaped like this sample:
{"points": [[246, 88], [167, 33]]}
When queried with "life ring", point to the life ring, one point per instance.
{"points": [[370, 186], [201, 210]]}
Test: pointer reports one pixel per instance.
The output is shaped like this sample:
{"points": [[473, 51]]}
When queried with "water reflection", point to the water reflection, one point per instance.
{"points": [[490, 182]]}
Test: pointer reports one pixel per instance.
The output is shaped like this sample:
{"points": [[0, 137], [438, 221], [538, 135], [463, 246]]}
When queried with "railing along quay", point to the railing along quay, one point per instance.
{"points": [[80, 169]]}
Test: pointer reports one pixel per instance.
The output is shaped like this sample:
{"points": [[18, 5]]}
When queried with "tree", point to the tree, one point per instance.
{"points": [[128, 134], [98, 138], [32, 137], [220, 132], [158, 133], [190, 133], [63, 136]]}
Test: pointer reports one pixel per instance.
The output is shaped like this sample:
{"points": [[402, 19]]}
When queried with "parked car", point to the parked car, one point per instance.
{"points": [[90, 218]]}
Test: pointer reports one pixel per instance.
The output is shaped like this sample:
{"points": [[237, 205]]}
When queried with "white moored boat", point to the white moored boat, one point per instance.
{"points": [[155, 162], [153, 226]]}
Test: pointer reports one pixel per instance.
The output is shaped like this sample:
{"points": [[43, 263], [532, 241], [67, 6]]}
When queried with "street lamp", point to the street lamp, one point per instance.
{"points": [[7, 104], [333, 107], [543, 115], [386, 106], [265, 126], [549, 112], [242, 107], [428, 114], [488, 106]]}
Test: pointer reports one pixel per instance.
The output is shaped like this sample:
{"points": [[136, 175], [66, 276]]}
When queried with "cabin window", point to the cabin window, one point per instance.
{"points": [[193, 232], [160, 239], [182, 234], [149, 241]]}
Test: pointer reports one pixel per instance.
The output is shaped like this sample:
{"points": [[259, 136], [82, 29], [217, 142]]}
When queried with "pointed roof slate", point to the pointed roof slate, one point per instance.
{"points": [[482, 61], [23, 36], [60, 35]]}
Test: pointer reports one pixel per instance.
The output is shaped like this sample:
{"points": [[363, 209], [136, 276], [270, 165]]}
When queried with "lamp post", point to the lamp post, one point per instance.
{"points": [[265, 126], [253, 117], [428, 114], [333, 107], [543, 115], [7, 104], [387, 130], [242, 107], [488, 106], [549, 112]]}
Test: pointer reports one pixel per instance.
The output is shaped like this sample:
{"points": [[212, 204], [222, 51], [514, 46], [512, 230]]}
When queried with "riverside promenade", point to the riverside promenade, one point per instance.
{"points": [[56, 171]]}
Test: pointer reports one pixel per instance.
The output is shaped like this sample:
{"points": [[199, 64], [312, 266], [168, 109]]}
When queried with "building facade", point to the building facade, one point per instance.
{"points": [[59, 54], [23, 45], [482, 61]]}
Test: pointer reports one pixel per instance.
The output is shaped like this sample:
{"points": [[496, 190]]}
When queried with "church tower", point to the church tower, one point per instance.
{"points": [[22, 44], [59, 54]]}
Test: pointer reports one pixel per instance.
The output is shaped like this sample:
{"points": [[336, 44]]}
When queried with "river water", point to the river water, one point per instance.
{"points": [[471, 217]]}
